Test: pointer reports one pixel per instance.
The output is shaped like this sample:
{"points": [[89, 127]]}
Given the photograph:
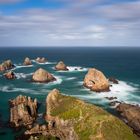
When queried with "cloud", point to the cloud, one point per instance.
{"points": [[113, 24], [9, 1]]}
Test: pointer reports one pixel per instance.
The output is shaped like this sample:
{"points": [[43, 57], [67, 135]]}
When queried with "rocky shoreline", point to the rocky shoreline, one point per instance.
{"points": [[68, 118]]}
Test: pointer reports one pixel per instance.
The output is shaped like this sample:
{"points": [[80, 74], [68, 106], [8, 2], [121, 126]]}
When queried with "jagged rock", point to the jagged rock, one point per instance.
{"points": [[42, 75], [111, 98], [61, 66], [10, 75], [27, 61], [41, 60], [95, 80], [23, 111], [73, 119], [6, 65], [114, 103], [131, 113], [113, 80]]}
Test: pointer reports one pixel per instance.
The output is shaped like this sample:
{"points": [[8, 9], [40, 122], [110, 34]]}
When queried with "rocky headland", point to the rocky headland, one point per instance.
{"points": [[42, 76], [10, 75], [61, 66], [96, 81]]}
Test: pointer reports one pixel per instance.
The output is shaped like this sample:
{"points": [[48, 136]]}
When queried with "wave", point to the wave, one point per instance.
{"points": [[71, 78], [123, 91], [21, 66], [43, 63], [74, 69], [22, 75]]}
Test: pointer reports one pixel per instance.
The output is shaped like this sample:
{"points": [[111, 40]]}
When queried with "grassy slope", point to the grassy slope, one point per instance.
{"points": [[91, 122]]}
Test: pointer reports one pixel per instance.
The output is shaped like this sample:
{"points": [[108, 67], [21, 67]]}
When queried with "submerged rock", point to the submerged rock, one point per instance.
{"points": [[95, 80], [23, 111], [42, 75], [72, 119], [10, 75], [61, 66], [113, 80], [130, 113], [27, 61], [6, 65], [41, 60]]}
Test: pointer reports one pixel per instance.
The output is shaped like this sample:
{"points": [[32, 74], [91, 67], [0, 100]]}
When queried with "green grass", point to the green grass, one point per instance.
{"points": [[90, 121]]}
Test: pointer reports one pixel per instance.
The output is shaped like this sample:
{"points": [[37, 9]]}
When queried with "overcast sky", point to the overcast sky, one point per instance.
{"points": [[69, 22]]}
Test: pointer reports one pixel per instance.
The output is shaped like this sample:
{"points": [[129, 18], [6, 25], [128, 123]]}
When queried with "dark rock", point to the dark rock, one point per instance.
{"points": [[111, 98], [113, 80], [10, 75]]}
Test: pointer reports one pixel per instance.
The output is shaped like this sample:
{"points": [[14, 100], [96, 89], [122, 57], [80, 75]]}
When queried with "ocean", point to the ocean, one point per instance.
{"points": [[123, 63]]}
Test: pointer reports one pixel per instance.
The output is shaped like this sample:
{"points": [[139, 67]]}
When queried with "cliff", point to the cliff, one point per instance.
{"points": [[73, 119]]}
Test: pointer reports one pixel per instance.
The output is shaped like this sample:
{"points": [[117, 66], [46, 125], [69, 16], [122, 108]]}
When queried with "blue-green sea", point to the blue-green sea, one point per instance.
{"points": [[122, 63]]}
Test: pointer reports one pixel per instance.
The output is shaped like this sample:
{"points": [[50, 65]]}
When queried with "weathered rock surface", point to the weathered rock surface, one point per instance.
{"points": [[10, 75], [95, 80], [73, 119], [113, 80], [23, 111], [41, 60], [111, 98], [131, 114], [6, 65], [27, 61], [42, 76], [61, 66]]}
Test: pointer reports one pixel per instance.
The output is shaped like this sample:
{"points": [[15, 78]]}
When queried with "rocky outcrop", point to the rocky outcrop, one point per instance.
{"points": [[27, 61], [95, 80], [23, 111], [131, 114], [73, 119], [61, 66], [41, 60], [6, 65], [10, 75], [113, 80], [42, 76]]}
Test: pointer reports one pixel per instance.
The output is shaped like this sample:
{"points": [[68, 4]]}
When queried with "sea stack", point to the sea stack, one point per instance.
{"points": [[41, 60], [23, 111], [72, 119], [61, 66], [42, 76], [96, 81], [6, 65], [27, 61], [10, 75]]}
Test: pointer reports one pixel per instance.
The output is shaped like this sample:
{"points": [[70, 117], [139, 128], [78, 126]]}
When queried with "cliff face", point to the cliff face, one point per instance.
{"points": [[74, 119], [23, 111]]}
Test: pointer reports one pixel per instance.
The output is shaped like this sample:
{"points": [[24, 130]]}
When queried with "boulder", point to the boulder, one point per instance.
{"points": [[23, 111], [95, 80], [42, 76], [41, 60], [61, 66], [6, 65], [113, 80], [27, 61], [10, 75], [72, 119], [130, 113]]}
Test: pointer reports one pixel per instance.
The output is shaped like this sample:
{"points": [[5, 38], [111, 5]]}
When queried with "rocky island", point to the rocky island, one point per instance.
{"points": [[6, 65], [42, 76], [96, 81], [61, 66], [10, 75], [27, 61], [23, 111], [41, 60]]}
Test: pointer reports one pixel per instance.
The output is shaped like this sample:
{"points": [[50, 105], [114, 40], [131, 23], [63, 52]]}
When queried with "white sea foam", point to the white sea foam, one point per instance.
{"points": [[123, 91], [21, 66], [43, 63], [22, 75], [74, 69], [71, 78]]}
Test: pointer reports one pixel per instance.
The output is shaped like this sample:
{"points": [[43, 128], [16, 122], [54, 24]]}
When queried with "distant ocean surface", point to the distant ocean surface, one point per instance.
{"points": [[120, 62]]}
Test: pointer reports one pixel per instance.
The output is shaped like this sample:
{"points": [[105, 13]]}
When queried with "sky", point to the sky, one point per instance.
{"points": [[69, 22]]}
